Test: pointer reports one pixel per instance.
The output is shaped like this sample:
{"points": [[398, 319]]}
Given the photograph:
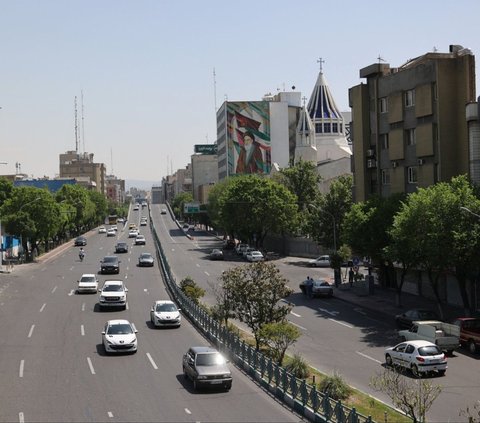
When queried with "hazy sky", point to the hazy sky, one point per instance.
{"points": [[146, 68]]}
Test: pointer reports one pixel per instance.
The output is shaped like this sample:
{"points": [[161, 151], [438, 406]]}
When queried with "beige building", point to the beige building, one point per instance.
{"points": [[409, 126], [81, 167], [204, 175]]}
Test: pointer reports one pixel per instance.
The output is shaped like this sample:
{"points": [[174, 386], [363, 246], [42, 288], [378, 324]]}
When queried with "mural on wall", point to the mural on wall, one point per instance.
{"points": [[248, 137]]}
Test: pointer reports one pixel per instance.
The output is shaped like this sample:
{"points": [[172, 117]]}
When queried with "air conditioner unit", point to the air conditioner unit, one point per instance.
{"points": [[370, 152], [394, 164], [371, 163], [421, 162]]}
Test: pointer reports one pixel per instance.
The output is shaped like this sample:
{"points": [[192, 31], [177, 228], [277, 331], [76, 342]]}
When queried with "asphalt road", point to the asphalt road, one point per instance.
{"points": [[336, 336], [53, 365]]}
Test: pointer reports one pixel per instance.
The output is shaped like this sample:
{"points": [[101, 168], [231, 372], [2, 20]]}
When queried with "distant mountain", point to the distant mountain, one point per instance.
{"points": [[143, 185]]}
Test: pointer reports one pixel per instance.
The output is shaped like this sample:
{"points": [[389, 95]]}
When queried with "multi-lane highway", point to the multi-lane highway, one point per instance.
{"points": [[53, 366], [336, 336]]}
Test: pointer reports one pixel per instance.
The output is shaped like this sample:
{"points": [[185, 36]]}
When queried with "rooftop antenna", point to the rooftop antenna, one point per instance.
{"points": [[215, 90], [380, 59], [321, 61], [435, 49], [76, 127], [83, 123], [111, 161]]}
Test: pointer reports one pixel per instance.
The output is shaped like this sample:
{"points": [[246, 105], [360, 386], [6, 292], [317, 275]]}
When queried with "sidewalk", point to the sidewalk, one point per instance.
{"points": [[383, 302]]}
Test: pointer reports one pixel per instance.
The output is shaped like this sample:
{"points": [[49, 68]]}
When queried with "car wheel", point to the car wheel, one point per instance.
{"points": [[472, 346], [388, 360], [441, 372], [415, 371]]}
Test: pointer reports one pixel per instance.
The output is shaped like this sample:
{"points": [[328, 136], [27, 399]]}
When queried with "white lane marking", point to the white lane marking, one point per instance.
{"points": [[196, 264], [54, 289], [82, 330], [187, 411], [295, 314], [73, 267], [298, 326], [43, 270], [83, 307], [43, 307], [71, 293], [110, 414], [21, 417], [92, 370], [22, 365], [152, 362], [332, 313], [341, 323], [31, 331], [145, 290], [126, 305], [208, 274], [367, 356], [360, 310], [173, 249]]}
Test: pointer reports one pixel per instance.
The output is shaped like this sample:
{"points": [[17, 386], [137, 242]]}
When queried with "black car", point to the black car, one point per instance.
{"points": [[121, 247], [406, 319], [110, 264], [145, 259], [80, 241]]}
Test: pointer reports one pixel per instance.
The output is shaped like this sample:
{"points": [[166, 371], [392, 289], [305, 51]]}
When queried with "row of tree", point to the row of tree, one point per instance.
{"points": [[38, 216]]}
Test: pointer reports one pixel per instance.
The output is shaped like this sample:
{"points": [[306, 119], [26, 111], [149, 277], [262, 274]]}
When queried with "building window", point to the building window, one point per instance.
{"points": [[410, 98], [412, 175], [318, 128], [410, 134], [384, 141], [383, 105], [327, 128], [385, 177], [335, 127]]}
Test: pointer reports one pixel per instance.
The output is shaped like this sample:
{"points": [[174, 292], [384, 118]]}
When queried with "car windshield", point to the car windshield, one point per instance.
{"points": [[427, 315], [145, 256], [113, 288], [120, 329], [121, 244], [210, 359], [166, 307], [429, 350], [109, 259], [87, 279], [321, 283]]}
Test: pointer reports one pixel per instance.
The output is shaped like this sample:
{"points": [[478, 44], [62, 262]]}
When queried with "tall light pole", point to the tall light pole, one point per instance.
{"points": [[1, 237]]}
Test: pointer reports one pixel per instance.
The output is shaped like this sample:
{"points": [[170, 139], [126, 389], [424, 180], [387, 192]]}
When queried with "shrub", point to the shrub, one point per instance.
{"points": [[335, 387], [298, 367], [191, 289]]}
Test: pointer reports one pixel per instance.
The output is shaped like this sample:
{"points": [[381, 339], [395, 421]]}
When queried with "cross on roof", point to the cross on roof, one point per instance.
{"points": [[321, 61]]}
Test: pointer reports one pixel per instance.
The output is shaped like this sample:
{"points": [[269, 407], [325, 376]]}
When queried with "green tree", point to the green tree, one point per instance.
{"points": [[255, 291], [257, 206], [101, 206], [6, 189], [190, 288], [178, 203], [278, 336], [80, 206], [214, 210]]}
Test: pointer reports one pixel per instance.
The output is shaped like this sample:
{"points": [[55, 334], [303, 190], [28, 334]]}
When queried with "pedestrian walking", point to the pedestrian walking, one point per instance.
{"points": [[309, 286], [351, 276]]}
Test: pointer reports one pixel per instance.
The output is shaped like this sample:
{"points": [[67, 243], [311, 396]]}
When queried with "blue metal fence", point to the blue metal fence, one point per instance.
{"points": [[303, 398]]}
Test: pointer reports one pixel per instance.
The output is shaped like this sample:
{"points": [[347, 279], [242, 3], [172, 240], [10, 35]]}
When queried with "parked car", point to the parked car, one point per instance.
{"points": [[113, 294], [145, 259], [121, 247], [321, 261], [110, 264], [87, 283], [445, 335], [206, 367], [320, 287], [140, 240], [102, 230], [165, 313], [254, 256], [420, 357], [246, 251], [405, 320], [111, 232], [119, 336], [469, 332], [216, 254], [80, 241], [240, 248]]}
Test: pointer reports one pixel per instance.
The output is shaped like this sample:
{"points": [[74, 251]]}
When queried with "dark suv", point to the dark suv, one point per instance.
{"points": [[206, 367], [121, 247], [110, 264]]}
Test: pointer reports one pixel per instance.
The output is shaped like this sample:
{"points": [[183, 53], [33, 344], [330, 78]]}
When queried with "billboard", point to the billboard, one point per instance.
{"points": [[248, 137], [205, 148]]}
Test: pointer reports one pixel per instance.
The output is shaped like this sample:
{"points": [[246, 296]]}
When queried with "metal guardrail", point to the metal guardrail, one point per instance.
{"points": [[301, 397]]}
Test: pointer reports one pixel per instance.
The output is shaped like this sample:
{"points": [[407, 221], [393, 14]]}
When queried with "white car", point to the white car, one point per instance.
{"points": [[87, 283], [240, 248], [254, 256], [140, 240], [420, 357], [119, 336], [114, 227], [111, 232], [165, 313], [132, 233], [113, 294], [322, 261], [102, 230]]}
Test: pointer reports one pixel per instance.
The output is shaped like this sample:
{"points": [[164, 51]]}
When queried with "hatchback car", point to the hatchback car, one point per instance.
{"points": [[87, 283], [254, 256], [119, 336], [165, 313], [121, 247], [110, 264], [405, 320], [321, 261], [113, 294], [145, 259], [420, 357], [140, 240], [80, 241], [206, 367]]}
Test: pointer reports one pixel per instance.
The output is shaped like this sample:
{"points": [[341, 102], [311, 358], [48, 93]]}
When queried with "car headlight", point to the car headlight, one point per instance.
{"points": [[201, 377], [226, 375], [102, 298], [122, 297]]}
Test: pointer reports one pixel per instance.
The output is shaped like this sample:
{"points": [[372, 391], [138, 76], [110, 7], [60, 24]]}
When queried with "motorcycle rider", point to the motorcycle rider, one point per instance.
{"points": [[81, 254]]}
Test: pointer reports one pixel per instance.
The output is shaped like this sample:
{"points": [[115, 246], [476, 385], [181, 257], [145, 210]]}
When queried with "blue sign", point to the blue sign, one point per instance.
{"points": [[356, 261]]}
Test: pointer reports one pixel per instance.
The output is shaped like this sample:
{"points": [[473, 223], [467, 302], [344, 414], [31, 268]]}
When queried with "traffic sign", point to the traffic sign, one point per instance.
{"points": [[356, 261]]}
